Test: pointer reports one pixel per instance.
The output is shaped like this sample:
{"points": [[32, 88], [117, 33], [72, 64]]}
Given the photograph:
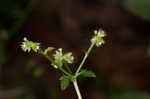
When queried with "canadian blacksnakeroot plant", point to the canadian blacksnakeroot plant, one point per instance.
{"points": [[59, 60]]}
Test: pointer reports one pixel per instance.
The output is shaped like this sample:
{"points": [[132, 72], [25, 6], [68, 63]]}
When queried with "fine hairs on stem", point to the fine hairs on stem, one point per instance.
{"points": [[59, 60]]}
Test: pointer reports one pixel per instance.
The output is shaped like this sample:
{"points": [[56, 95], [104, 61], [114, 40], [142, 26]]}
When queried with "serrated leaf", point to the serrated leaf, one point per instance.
{"points": [[48, 49], [86, 73], [64, 82]]}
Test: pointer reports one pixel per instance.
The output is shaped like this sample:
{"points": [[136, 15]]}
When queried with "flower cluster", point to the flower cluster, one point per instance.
{"points": [[29, 45], [98, 37], [60, 58]]}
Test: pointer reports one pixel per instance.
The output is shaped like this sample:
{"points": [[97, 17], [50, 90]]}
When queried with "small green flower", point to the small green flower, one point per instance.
{"points": [[68, 57], [35, 46], [29, 45], [98, 37], [59, 57]]}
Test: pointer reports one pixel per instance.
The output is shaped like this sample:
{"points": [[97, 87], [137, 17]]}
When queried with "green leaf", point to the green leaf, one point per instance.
{"points": [[86, 73], [48, 49], [64, 82]]}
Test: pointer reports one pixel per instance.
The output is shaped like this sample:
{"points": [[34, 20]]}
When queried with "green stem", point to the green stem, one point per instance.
{"points": [[67, 67], [77, 89], [63, 70], [52, 61], [85, 57]]}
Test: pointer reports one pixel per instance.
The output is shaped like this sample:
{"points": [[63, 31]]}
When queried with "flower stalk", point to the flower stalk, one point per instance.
{"points": [[60, 59], [85, 57]]}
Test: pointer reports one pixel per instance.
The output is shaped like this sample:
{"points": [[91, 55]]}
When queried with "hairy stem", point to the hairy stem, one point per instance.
{"points": [[77, 89]]}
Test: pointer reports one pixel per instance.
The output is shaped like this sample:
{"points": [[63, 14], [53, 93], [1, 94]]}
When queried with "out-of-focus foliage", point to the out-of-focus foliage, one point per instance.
{"points": [[140, 8], [131, 95], [3, 38], [26, 94], [126, 92], [32, 69], [2, 52], [13, 14], [117, 91]]}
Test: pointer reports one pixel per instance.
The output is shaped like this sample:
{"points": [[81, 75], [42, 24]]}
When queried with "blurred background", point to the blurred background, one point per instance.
{"points": [[122, 64]]}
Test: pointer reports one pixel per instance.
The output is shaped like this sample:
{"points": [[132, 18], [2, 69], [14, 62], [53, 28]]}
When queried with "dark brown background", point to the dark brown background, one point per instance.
{"points": [[69, 24]]}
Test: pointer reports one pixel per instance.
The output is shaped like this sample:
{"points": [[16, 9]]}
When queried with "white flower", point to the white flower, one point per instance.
{"points": [[35, 46], [54, 66], [100, 33], [68, 57], [98, 37], [28, 45], [59, 58]]}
